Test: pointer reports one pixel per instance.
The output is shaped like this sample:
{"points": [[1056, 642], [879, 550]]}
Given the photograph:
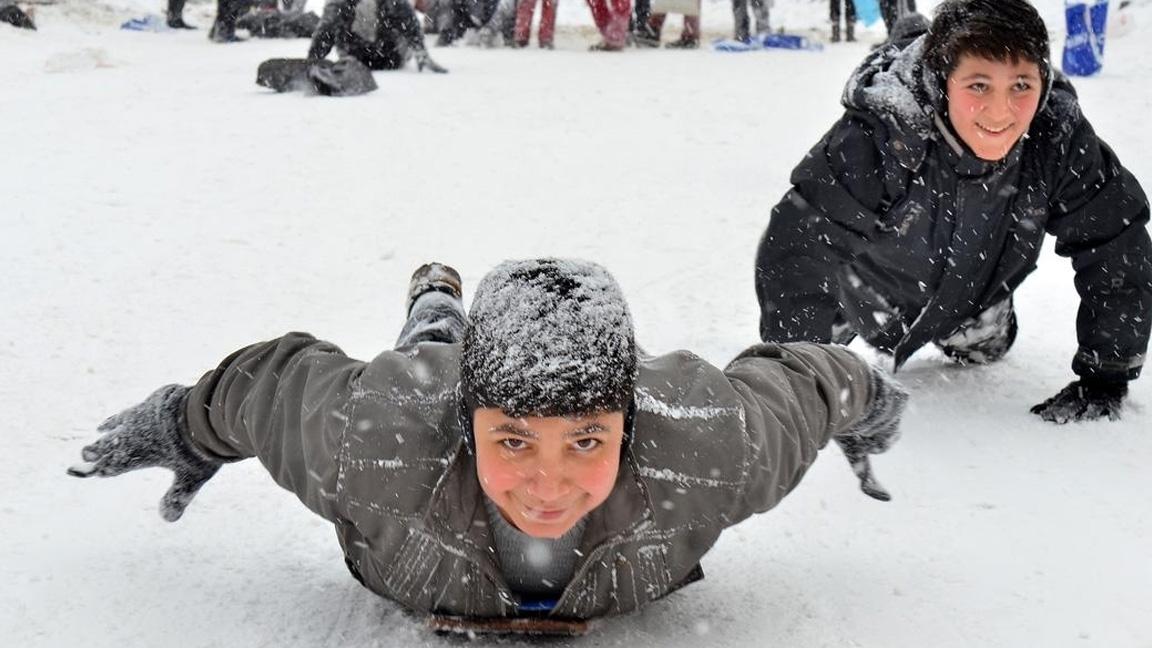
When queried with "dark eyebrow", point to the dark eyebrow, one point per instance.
{"points": [[591, 428], [508, 428]]}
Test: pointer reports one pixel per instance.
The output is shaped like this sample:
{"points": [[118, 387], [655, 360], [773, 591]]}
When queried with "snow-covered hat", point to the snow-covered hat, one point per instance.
{"points": [[549, 337]]}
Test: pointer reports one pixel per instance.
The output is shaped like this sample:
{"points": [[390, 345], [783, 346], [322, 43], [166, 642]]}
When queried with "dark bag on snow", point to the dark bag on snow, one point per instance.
{"points": [[265, 23], [344, 78], [14, 16]]}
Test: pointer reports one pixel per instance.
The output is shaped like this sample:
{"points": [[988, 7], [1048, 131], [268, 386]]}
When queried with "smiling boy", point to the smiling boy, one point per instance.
{"points": [[921, 211], [522, 459]]}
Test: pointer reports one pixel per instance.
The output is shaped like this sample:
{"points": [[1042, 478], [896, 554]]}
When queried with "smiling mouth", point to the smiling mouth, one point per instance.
{"points": [[993, 131], [545, 515]]}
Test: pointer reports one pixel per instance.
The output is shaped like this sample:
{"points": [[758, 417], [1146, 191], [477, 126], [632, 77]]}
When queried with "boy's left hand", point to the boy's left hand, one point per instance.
{"points": [[875, 433]]}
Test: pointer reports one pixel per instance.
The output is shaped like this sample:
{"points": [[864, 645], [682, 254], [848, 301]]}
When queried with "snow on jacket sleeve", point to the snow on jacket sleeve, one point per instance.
{"points": [[1098, 214], [796, 397], [284, 401]]}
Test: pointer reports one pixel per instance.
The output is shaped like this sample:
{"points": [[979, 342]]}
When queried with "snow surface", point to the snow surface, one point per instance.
{"points": [[159, 210]]}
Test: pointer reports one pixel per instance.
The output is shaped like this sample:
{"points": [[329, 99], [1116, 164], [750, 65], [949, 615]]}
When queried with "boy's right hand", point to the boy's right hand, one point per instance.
{"points": [[147, 435]]}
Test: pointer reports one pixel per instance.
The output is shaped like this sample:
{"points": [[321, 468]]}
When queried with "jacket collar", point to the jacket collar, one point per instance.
{"points": [[961, 158]]}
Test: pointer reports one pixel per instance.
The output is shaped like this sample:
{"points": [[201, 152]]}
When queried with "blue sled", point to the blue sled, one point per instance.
{"points": [[149, 23], [767, 41]]}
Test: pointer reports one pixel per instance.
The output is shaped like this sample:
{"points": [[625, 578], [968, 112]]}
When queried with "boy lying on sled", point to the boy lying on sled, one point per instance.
{"points": [[523, 460]]}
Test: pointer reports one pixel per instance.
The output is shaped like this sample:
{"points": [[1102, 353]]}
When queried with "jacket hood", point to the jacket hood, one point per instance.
{"points": [[890, 86]]}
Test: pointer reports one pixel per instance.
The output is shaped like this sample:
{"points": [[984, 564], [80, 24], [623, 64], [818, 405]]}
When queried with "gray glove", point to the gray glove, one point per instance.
{"points": [[423, 60], [875, 433], [148, 435]]}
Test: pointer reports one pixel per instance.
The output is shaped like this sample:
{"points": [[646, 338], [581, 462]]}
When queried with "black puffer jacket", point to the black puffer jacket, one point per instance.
{"points": [[380, 33], [894, 228]]}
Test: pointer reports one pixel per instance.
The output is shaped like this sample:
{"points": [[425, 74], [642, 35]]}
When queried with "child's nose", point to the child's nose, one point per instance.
{"points": [[1001, 106], [548, 484]]}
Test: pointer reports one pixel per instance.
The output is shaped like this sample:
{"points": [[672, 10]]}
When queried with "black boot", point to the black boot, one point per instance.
{"points": [[178, 23], [176, 15], [12, 15], [850, 32], [227, 13], [433, 277], [836, 33]]}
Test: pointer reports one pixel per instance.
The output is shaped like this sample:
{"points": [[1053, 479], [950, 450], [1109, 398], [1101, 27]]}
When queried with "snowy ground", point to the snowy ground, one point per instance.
{"points": [[159, 210]]}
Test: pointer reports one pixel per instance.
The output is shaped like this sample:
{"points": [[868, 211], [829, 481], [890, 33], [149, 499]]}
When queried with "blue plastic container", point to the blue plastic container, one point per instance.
{"points": [[867, 11], [1084, 48]]}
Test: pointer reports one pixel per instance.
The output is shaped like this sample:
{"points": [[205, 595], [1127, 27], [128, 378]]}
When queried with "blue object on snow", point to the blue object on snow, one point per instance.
{"points": [[867, 11], [149, 23], [1084, 47], [788, 41], [731, 45], [767, 41]]}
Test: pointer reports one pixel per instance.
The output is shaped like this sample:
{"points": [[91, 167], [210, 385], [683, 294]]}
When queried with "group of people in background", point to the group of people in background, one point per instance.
{"points": [[384, 34]]}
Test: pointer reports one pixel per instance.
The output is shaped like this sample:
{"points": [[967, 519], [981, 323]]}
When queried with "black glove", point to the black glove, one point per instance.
{"points": [[1086, 399], [147, 435], [875, 433]]}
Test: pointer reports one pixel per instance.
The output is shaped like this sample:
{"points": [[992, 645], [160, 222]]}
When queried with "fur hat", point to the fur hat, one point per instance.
{"points": [[549, 337]]}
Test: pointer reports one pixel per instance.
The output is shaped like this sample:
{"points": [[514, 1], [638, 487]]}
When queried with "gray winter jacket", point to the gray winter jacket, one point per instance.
{"points": [[896, 229], [377, 448]]}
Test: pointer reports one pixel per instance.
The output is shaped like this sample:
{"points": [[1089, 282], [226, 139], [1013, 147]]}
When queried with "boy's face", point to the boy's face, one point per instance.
{"points": [[544, 473], [991, 103]]}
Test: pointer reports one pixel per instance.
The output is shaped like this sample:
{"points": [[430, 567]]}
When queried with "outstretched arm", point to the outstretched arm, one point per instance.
{"points": [[284, 401], [799, 396]]}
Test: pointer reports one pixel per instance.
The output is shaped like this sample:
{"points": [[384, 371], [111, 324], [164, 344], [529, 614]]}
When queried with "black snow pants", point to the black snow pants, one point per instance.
{"points": [[227, 13], [834, 13], [641, 12], [467, 14], [381, 54], [740, 14]]}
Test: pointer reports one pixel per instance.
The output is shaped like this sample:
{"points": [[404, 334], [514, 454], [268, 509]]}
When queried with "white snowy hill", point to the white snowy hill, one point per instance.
{"points": [[159, 210]]}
